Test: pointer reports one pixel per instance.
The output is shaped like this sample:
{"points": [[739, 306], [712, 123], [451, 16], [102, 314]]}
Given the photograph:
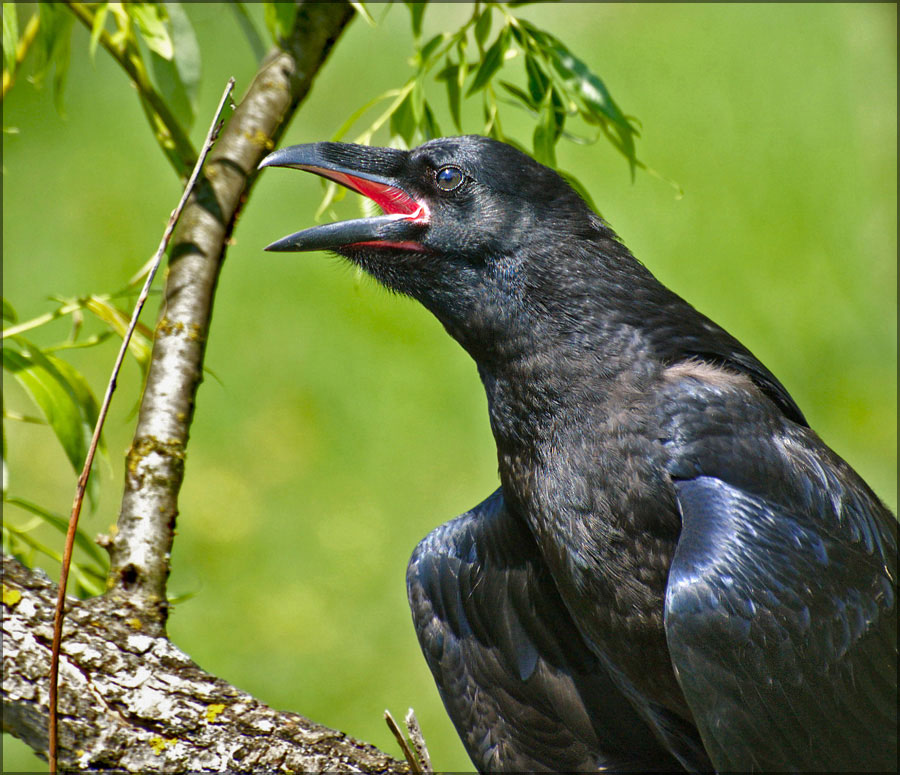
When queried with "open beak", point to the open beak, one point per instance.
{"points": [[373, 172]]}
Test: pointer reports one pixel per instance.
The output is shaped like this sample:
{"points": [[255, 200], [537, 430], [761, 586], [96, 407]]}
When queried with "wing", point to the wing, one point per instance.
{"points": [[521, 687], [781, 614]]}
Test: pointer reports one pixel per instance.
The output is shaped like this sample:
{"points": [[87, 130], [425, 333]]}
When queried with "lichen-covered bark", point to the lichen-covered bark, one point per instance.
{"points": [[130, 701], [139, 551]]}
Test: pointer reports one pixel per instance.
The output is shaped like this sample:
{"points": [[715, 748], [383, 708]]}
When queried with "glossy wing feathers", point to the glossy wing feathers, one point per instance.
{"points": [[523, 690], [781, 613]]}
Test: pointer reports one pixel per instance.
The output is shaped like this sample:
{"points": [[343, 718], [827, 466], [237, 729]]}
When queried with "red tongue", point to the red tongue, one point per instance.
{"points": [[390, 199]]}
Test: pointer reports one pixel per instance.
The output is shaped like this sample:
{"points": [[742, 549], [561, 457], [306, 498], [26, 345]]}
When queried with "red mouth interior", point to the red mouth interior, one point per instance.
{"points": [[392, 200]]}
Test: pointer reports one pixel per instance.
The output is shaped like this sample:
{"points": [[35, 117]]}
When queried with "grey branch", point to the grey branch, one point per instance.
{"points": [[131, 701], [139, 553]]}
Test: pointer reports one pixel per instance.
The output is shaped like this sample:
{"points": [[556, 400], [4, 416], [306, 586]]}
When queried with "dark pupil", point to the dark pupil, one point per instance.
{"points": [[449, 178]]}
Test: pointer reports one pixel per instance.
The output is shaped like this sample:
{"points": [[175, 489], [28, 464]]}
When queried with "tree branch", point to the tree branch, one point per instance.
{"points": [[139, 552], [171, 137], [104, 408], [131, 701]]}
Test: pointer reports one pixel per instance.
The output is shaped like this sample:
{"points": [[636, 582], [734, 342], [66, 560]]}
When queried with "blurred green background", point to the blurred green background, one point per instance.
{"points": [[340, 424]]}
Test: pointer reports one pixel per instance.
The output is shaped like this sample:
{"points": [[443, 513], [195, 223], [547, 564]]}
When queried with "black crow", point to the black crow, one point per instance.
{"points": [[676, 573]]}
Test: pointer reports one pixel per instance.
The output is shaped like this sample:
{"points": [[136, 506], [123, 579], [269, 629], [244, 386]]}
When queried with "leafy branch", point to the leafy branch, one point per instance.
{"points": [[68, 406], [166, 89], [61, 393], [151, 19], [557, 87], [19, 542], [15, 47]]}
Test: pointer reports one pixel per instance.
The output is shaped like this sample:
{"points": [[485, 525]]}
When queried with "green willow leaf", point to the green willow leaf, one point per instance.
{"points": [[417, 102], [416, 13], [556, 114], [139, 345], [364, 12], [53, 49], [9, 312], [79, 393], [186, 52], [543, 145], [172, 88], [61, 70], [547, 132], [280, 19], [590, 88], [10, 36], [151, 22], [538, 80], [97, 27], [493, 60], [492, 126], [483, 27], [403, 122], [61, 523], [521, 95], [450, 76], [48, 390], [430, 126], [520, 36], [463, 72], [82, 393], [428, 49]]}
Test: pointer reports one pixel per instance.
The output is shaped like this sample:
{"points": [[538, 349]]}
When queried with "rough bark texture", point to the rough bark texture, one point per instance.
{"points": [[139, 552], [130, 701]]}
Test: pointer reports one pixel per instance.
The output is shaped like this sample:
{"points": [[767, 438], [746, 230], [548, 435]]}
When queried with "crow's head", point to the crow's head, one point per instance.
{"points": [[472, 227]]}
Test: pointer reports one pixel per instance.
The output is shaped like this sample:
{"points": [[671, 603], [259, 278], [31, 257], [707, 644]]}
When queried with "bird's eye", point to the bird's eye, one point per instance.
{"points": [[449, 178]]}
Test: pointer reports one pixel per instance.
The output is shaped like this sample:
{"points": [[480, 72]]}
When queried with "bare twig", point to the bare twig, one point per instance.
{"points": [[107, 398], [416, 756], [414, 766], [418, 741], [21, 328]]}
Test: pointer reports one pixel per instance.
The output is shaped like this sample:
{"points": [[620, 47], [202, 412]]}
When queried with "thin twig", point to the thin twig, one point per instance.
{"points": [[418, 741], [21, 328], [404, 746], [86, 471]]}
